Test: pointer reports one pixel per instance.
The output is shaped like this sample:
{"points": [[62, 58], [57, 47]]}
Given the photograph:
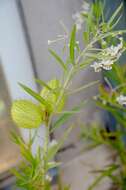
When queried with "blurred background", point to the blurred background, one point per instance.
{"points": [[25, 28]]}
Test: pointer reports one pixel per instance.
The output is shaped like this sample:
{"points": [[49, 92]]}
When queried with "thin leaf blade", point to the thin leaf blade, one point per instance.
{"points": [[43, 84], [66, 116], [58, 59], [34, 94], [115, 14], [73, 44]]}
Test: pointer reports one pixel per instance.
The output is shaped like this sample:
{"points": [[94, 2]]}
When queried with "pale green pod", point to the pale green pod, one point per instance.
{"points": [[26, 114]]}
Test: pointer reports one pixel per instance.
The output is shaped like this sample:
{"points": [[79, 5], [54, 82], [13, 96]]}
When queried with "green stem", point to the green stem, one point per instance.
{"points": [[83, 87], [46, 145], [66, 83]]}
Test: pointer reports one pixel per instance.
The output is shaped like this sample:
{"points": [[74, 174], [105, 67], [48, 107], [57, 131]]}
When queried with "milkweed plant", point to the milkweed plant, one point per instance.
{"points": [[102, 48]]}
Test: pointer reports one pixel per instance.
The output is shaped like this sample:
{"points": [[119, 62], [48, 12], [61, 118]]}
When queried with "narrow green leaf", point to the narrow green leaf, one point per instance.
{"points": [[116, 22], [115, 15], [58, 59], [84, 87], [34, 94], [67, 112], [17, 174], [16, 138], [43, 84], [73, 44], [66, 116], [104, 173], [26, 153], [113, 111], [85, 37]]}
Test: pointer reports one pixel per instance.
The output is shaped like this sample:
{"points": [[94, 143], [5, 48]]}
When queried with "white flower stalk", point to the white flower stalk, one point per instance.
{"points": [[58, 39], [49, 42], [108, 57], [78, 16], [121, 100]]}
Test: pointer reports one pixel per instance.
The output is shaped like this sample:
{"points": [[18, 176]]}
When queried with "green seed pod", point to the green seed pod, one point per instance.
{"points": [[26, 114], [52, 96]]}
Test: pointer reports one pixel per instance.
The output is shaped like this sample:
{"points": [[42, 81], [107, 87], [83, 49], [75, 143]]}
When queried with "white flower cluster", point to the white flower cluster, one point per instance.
{"points": [[78, 17], [121, 100], [108, 57]]}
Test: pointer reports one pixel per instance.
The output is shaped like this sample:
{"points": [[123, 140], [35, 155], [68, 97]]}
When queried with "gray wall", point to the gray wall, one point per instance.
{"points": [[42, 17]]}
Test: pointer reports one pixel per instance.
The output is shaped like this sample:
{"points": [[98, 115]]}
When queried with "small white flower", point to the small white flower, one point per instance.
{"points": [[85, 7], [121, 100], [48, 178], [108, 57], [114, 51], [97, 66], [107, 64]]}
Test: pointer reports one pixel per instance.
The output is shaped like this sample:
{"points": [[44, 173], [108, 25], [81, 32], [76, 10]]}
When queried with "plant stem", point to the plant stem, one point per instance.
{"points": [[69, 76]]}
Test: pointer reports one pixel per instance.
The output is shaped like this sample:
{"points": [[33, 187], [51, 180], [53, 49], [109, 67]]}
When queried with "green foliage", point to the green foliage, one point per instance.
{"points": [[33, 173], [114, 140], [34, 95], [52, 96], [108, 97], [108, 100], [112, 99], [107, 172], [67, 115], [115, 18]]}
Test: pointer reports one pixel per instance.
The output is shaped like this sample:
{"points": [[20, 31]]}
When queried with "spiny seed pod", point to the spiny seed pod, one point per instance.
{"points": [[52, 96], [26, 114]]}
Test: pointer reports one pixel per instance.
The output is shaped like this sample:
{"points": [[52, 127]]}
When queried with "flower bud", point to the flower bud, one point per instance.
{"points": [[52, 96]]}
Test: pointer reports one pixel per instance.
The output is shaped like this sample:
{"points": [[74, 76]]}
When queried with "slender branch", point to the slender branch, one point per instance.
{"points": [[83, 87]]}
